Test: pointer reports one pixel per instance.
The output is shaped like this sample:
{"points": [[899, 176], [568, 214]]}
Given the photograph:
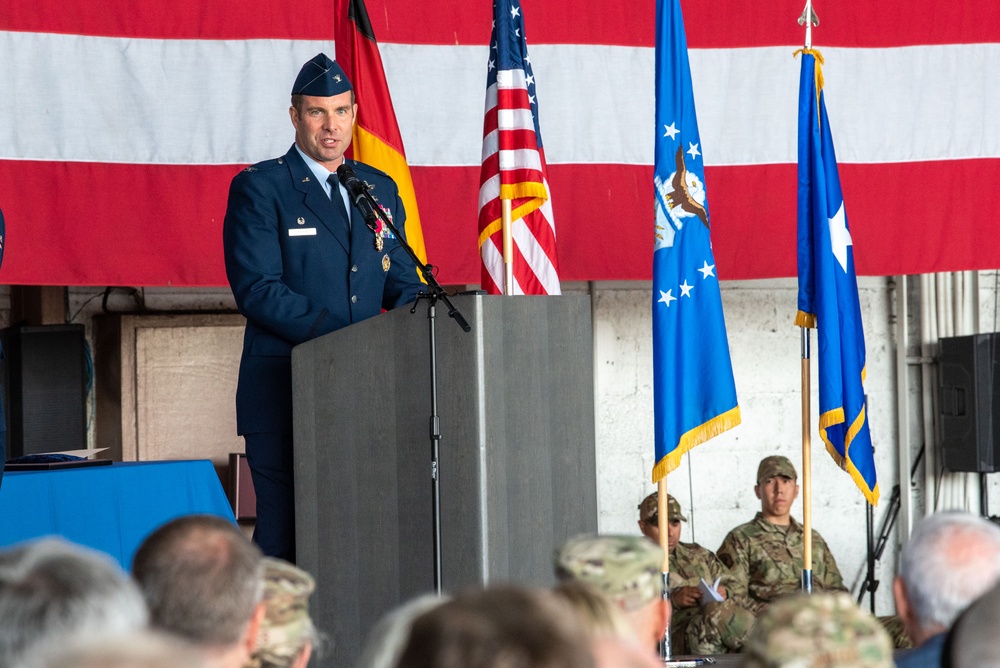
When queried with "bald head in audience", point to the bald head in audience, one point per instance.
{"points": [[203, 582]]}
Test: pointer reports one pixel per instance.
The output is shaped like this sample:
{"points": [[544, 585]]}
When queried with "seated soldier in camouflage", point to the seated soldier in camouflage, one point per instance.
{"points": [[697, 627], [765, 555]]}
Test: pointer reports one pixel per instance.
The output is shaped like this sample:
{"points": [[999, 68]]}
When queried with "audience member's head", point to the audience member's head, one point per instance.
{"points": [[973, 640], [502, 627], [203, 582], [626, 569], [389, 636], [139, 649], [600, 617], [951, 559], [824, 630], [54, 592], [287, 636]]}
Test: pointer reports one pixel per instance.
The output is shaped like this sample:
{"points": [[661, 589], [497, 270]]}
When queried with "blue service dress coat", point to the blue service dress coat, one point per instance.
{"points": [[297, 273]]}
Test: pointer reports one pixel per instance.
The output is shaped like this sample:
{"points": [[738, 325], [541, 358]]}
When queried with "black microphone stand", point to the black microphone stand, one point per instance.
{"points": [[433, 294]]}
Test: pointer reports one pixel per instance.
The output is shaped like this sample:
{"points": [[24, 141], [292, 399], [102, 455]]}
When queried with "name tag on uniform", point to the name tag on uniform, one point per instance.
{"points": [[302, 232]]}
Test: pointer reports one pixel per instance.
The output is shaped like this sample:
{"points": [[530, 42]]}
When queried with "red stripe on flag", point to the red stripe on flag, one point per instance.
{"points": [[172, 19], [530, 285], [719, 24], [79, 223], [513, 98], [62, 230]]}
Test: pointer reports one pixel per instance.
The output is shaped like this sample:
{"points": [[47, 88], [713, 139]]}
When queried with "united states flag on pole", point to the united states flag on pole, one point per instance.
{"points": [[513, 166]]}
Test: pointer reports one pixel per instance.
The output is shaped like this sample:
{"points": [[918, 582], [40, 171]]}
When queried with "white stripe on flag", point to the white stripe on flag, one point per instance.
{"points": [[493, 261], [535, 257], [489, 191], [524, 158], [147, 101], [491, 97], [888, 105], [490, 144], [512, 79], [515, 119]]}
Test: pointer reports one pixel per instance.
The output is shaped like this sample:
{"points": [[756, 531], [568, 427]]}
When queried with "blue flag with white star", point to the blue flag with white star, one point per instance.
{"points": [[694, 394], [828, 288]]}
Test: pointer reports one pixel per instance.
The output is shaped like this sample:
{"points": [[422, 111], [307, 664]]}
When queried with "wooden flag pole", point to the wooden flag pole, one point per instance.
{"points": [[806, 469], [663, 523], [508, 248], [808, 19]]}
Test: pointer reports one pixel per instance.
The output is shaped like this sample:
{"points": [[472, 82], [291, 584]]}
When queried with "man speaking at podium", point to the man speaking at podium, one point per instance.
{"points": [[302, 263]]}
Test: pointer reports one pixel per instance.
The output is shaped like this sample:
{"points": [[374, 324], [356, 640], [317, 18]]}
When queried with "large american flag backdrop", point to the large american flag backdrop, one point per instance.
{"points": [[122, 123]]}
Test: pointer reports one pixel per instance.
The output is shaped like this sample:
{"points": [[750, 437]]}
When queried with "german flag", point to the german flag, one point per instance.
{"points": [[376, 141]]}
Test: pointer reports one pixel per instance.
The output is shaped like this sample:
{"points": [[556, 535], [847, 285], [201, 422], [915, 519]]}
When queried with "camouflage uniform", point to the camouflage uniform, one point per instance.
{"points": [[766, 562], [711, 628], [822, 630], [896, 628], [286, 628]]}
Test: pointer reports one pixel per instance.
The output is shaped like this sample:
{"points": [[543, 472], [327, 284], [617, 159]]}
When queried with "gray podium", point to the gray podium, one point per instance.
{"points": [[517, 469]]}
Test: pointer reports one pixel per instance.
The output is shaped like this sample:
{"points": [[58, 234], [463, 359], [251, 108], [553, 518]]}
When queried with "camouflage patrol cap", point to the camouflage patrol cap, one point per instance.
{"points": [[776, 465], [286, 627], [827, 629], [649, 507], [626, 569]]}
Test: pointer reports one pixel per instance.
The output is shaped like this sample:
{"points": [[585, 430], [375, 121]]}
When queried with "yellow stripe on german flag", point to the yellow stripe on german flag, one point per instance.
{"points": [[371, 150]]}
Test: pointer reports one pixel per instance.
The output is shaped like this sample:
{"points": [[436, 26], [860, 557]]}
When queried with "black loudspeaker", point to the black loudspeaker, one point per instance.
{"points": [[45, 388], [969, 410]]}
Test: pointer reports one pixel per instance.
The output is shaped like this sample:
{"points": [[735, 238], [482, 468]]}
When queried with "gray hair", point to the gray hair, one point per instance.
{"points": [[140, 649], [951, 560], [201, 578], [52, 591]]}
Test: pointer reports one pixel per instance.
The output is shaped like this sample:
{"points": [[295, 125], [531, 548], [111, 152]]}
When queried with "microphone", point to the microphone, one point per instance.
{"points": [[357, 191]]}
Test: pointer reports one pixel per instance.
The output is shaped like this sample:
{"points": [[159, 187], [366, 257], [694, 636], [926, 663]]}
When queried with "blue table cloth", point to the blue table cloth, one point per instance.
{"points": [[108, 508]]}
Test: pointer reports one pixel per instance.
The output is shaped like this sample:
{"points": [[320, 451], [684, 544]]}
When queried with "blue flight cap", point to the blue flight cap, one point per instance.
{"points": [[321, 77]]}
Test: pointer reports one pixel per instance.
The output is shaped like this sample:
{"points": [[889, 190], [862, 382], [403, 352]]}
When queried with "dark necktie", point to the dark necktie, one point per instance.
{"points": [[338, 200]]}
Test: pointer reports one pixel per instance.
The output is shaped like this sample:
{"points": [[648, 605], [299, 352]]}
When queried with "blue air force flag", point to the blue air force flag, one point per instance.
{"points": [[828, 288], [694, 393]]}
